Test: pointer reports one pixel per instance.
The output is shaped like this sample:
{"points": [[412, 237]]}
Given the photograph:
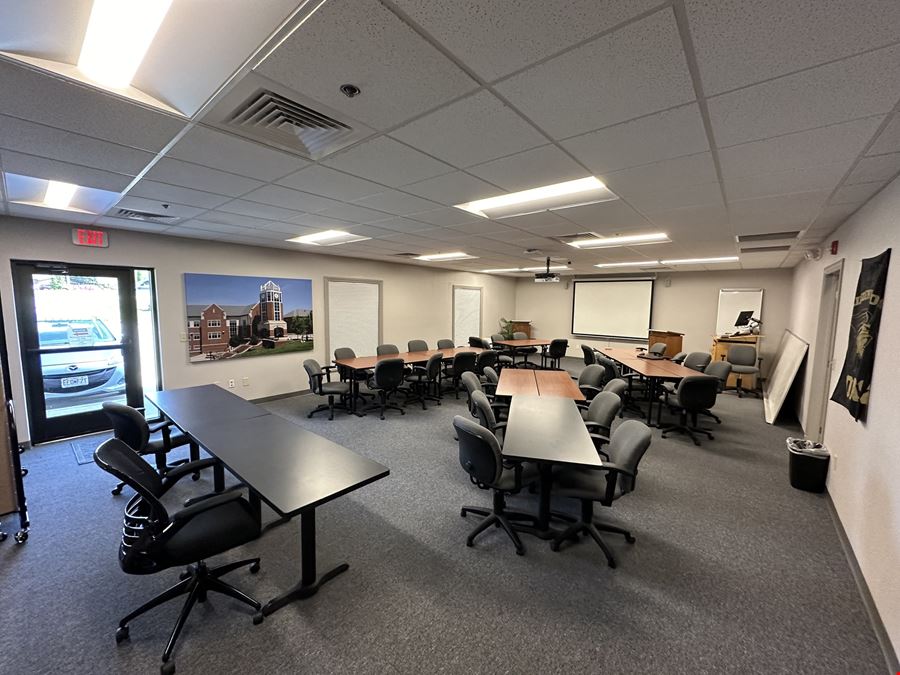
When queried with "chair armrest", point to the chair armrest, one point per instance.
{"points": [[174, 475], [159, 426], [599, 438], [195, 500], [213, 502], [499, 425], [491, 385], [587, 388], [589, 424]]}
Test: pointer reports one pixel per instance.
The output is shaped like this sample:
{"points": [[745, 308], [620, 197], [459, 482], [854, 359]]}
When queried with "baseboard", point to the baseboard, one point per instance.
{"points": [[884, 641], [278, 397]]}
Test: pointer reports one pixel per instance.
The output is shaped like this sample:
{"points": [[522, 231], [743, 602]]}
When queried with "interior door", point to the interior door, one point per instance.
{"points": [[78, 334]]}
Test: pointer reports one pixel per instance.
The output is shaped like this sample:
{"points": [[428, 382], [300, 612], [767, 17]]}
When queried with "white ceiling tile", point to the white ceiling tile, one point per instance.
{"points": [[172, 194], [665, 135], [889, 139], [855, 194], [234, 219], [669, 175], [352, 213], [320, 222], [738, 42], [202, 145], [775, 214], [856, 87], [155, 206], [708, 218], [642, 69], [446, 217], [545, 165], [388, 162], [604, 215], [870, 169], [822, 177], [257, 210], [43, 213], [400, 74], [470, 131], [542, 219], [176, 172], [453, 188], [135, 225], [488, 228], [320, 180], [403, 225], [396, 202], [49, 169], [762, 261], [832, 216], [276, 195], [210, 226]]}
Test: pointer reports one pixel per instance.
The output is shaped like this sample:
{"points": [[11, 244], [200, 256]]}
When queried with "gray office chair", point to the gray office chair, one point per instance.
{"points": [[554, 353], [463, 362], [472, 384], [657, 349], [506, 357], [613, 480], [599, 416], [635, 384], [694, 394], [743, 362], [617, 386], [589, 355], [679, 357], [490, 381], [417, 346], [479, 455], [349, 374], [590, 382], [386, 349], [386, 379], [697, 361], [719, 370], [524, 352], [444, 343], [320, 383], [424, 381], [483, 409]]}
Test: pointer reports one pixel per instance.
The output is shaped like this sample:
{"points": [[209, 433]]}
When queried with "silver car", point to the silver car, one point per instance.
{"points": [[80, 373]]}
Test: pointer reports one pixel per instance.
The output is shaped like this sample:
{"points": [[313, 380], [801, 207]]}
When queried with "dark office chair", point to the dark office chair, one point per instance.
{"points": [[554, 353], [743, 362], [485, 411], [475, 341], [463, 362], [590, 382], [349, 374], [445, 344], [694, 394], [589, 355], [619, 387], [320, 383], [386, 350], [524, 352], [599, 416], [417, 346], [679, 357], [386, 379], [131, 427], [487, 358], [153, 540], [697, 361], [657, 349], [479, 455], [719, 370], [635, 384], [425, 381], [490, 382], [506, 357], [615, 479], [472, 384]]}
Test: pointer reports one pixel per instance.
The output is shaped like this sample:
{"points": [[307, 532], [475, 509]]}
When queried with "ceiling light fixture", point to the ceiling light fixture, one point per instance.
{"points": [[624, 240], [59, 195], [118, 36], [439, 257], [636, 263], [527, 269], [565, 195], [701, 261], [328, 238]]}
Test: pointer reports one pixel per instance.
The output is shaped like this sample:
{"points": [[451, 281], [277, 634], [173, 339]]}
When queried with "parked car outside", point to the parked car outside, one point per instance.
{"points": [[79, 373]]}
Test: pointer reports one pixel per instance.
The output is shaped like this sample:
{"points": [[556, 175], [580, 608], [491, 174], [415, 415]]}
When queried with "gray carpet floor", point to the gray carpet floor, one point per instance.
{"points": [[733, 571]]}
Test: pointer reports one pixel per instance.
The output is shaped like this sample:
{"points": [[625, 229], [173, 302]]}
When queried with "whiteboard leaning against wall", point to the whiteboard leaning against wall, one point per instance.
{"points": [[733, 301]]}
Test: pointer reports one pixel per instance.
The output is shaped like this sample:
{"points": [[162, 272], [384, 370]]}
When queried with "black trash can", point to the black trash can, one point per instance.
{"points": [[808, 465]]}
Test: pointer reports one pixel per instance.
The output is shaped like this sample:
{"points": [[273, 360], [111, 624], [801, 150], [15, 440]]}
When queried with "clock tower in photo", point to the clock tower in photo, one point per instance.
{"points": [[271, 310]]}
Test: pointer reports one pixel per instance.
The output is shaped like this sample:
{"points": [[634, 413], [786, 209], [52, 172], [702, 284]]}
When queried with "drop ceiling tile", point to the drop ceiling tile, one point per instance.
{"points": [[402, 225], [870, 169], [155, 206], [490, 229], [775, 214], [43, 213], [832, 216], [857, 87], [545, 165], [202, 145], [222, 228], [49, 169], [889, 139], [172, 194], [276, 195], [233, 219], [823, 177], [353, 213], [256, 210], [738, 43], [470, 131], [400, 74], [603, 215], [643, 71], [135, 225], [542, 219], [665, 135], [320, 222], [856, 194], [183, 174], [709, 218], [447, 216], [388, 162], [668, 175], [453, 188], [396, 202], [320, 180], [762, 261]]}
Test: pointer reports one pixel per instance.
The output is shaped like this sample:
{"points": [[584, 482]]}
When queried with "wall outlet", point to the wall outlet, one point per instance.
{"points": [[183, 337], [231, 384], [245, 381]]}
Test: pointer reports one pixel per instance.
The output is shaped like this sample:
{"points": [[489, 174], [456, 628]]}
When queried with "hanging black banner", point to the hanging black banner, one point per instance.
{"points": [[852, 390]]}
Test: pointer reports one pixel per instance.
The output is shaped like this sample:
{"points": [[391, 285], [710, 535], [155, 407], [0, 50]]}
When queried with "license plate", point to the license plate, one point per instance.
{"points": [[78, 381]]}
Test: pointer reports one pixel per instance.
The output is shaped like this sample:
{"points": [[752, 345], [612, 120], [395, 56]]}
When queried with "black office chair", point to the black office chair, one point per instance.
{"points": [[386, 350], [524, 352], [425, 381], [487, 358], [349, 374], [507, 355], [445, 344], [554, 353], [475, 341], [599, 416], [417, 346], [743, 362], [679, 357], [635, 384], [153, 540], [589, 355], [719, 370], [463, 362], [320, 384], [479, 455], [131, 427], [614, 479], [694, 394], [386, 379], [697, 361], [472, 384], [657, 349]]}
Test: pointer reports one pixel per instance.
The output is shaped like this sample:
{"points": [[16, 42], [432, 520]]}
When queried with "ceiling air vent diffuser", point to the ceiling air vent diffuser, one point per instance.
{"points": [[148, 216]]}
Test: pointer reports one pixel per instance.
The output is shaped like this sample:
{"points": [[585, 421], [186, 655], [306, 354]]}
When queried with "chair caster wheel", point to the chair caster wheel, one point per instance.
{"points": [[21, 536], [195, 475], [470, 544], [258, 618], [121, 634], [630, 539], [116, 491], [254, 568], [168, 668], [3, 536], [185, 574], [554, 546], [520, 551], [462, 513]]}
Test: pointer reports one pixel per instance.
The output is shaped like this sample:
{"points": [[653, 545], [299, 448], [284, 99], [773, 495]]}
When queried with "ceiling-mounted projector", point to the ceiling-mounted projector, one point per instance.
{"points": [[546, 277]]}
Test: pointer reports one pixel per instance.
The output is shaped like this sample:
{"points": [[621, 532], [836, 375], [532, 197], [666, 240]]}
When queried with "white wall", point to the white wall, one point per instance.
{"points": [[863, 480], [687, 305], [417, 301]]}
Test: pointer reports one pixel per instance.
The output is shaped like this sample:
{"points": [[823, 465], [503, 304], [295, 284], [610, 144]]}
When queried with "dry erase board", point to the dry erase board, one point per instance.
{"points": [[733, 301]]}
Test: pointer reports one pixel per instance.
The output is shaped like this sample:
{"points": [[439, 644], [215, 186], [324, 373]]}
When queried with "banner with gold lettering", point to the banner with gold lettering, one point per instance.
{"points": [[852, 390]]}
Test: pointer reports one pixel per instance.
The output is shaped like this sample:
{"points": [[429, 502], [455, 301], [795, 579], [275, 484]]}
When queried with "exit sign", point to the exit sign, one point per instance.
{"points": [[83, 237]]}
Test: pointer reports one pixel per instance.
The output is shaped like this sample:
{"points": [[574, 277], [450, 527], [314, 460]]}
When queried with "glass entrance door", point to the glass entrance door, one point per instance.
{"points": [[80, 340]]}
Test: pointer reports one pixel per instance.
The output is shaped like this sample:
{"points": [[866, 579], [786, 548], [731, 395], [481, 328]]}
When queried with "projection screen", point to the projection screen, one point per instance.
{"points": [[612, 308]]}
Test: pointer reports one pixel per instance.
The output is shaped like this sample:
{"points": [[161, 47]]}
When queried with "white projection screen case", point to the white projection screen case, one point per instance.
{"points": [[613, 308], [466, 314], [354, 315]]}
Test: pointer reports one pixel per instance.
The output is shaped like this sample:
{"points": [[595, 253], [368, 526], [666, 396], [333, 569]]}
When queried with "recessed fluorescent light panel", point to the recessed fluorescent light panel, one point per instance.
{"points": [[624, 240], [59, 195], [636, 263], [701, 261], [328, 238], [565, 195], [118, 36], [51, 194], [440, 257]]}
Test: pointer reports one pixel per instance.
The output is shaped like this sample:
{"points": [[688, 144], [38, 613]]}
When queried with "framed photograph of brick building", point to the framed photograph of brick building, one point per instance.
{"points": [[231, 317]]}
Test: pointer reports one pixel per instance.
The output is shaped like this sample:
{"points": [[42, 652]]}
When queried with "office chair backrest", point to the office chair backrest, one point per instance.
{"points": [[313, 371], [479, 452], [658, 348], [474, 341], [518, 335], [388, 373], [592, 376], [679, 357], [417, 346], [463, 362], [626, 447], [697, 361], [472, 384], [617, 386], [433, 366], [129, 426], [742, 355], [603, 409], [344, 353], [610, 371], [485, 359], [381, 350], [557, 348], [719, 370], [697, 392], [483, 410], [445, 344], [496, 337], [490, 374], [590, 356]]}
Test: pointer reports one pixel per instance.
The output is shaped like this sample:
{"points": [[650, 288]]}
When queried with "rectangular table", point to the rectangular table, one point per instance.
{"points": [[289, 468], [517, 344], [516, 382], [547, 383]]}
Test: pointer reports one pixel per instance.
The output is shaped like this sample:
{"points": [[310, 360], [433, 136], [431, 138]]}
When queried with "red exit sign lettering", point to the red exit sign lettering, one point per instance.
{"points": [[84, 237]]}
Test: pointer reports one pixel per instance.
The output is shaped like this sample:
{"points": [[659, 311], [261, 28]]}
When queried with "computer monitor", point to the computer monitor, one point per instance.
{"points": [[744, 318]]}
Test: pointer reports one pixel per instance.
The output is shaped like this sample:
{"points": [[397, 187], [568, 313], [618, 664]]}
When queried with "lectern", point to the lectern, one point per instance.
{"points": [[671, 338]]}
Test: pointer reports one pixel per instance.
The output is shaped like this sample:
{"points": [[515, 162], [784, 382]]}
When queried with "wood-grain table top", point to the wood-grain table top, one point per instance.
{"points": [[522, 343], [549, 383], [656, 368], [366, 362]]}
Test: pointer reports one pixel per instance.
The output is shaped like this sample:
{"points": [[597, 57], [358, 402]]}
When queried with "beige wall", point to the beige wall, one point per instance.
{"points": [[686, 302], [416, 300], [866, 455]]}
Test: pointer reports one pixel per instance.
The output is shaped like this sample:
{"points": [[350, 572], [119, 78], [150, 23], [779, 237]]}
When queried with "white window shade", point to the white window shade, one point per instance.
{"points": [[612, 308], [354, 315], [466, 314]]}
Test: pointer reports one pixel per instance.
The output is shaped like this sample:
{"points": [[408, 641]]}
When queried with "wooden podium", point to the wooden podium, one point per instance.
{"points": [[520, 326], [721, 345], [672, 340]]}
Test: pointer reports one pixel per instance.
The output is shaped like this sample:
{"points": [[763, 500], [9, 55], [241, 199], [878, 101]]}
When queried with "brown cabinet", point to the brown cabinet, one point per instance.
{"points": [[672, 340], [719, 351]]}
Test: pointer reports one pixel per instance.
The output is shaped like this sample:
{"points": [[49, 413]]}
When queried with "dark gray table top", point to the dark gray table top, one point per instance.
{"points": [[196, 406], [547, 429]]}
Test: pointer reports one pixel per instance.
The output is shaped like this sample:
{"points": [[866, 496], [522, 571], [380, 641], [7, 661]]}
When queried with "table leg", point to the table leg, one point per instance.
{"points": [[309, 583], [354, 396], [541, 529], [218, 477]]}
